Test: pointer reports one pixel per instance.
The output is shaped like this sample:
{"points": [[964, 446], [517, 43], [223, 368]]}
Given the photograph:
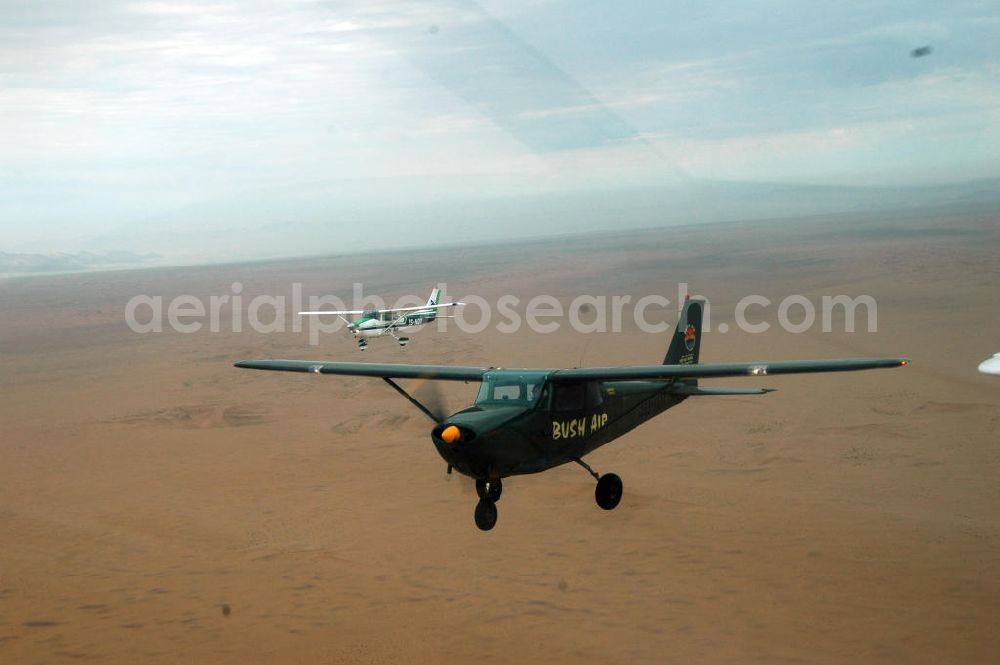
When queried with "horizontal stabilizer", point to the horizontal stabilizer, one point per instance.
{"points": [[701, 390]]}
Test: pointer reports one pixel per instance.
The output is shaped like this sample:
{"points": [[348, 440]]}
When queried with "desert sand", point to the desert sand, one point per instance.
{"points": [[159, 506]]}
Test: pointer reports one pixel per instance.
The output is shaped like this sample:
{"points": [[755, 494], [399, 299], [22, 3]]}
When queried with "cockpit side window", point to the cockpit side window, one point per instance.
{"points": [[595, 396], [577, 396], [570, 397], [507, 391], [509, 388]]}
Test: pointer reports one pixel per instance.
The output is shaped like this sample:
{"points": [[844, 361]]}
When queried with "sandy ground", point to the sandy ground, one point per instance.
{"points": [[159, 506]]}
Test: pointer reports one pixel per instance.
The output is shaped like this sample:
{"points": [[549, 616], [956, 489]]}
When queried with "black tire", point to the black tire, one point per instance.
{"points": [[486, 514], [489, 489], [609, 491]]}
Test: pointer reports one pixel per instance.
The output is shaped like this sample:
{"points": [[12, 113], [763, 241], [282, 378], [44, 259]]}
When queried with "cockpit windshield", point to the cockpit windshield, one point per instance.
{"points": [[504, 387]]}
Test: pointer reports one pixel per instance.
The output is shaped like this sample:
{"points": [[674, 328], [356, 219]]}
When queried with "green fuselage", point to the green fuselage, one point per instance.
{"points": [[548, 423]]}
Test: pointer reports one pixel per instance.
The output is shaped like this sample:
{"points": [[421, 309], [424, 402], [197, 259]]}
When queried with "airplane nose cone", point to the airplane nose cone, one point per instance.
{"points": [[451, 434]]}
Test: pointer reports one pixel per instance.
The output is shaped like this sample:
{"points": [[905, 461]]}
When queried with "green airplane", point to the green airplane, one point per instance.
{"points": [[530, 420]]}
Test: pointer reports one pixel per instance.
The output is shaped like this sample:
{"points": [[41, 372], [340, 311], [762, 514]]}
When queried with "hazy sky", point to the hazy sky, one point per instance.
{"points": [[222, 130]]}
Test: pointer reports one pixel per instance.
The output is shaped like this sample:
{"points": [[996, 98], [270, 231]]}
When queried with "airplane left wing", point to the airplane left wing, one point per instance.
{"points": [[338, 312]]}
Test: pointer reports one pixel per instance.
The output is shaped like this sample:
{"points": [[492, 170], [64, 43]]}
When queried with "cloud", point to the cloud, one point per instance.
{"points": [[116, 113]]}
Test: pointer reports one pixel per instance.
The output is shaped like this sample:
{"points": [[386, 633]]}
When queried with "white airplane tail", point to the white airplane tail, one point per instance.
{"points": [[432, 302]]}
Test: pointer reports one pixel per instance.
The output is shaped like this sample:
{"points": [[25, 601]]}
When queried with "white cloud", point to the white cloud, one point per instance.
{"points": [[156, 105]]}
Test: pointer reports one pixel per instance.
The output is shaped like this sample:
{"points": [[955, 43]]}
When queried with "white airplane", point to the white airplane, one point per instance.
{"points": [[378, 322], [990, 365]]}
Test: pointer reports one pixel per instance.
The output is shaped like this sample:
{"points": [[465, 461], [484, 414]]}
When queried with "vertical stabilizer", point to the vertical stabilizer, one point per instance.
{"points": [[433, 300], [686, 341]]}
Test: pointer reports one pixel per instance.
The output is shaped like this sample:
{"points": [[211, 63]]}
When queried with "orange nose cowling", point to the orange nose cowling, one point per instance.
{"points": [[450, 434]]}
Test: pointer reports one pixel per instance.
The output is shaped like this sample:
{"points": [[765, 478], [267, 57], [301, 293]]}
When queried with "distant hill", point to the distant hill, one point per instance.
{"points": [[18, 264], [402, 213]]}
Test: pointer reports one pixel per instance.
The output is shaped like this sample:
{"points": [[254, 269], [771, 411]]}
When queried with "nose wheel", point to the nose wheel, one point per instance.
{"points": [[489, 491], [486, 514]]}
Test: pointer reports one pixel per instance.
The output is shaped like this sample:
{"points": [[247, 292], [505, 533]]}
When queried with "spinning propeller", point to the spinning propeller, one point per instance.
{"points": [[427, 397]]}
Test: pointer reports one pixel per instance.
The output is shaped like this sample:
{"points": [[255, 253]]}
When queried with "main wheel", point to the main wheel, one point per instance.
{"points": [[486, 514], [609, 491], [489, 489]]}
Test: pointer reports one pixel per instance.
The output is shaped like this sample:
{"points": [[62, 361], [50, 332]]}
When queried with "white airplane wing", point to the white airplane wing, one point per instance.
{"points": [[392, 311], [990, 365], [331, 311]]}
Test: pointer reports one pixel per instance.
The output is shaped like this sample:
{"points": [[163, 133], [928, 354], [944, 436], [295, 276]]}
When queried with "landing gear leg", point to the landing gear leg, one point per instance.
{"points": [[587, 467], [490, 489], [403, 341], [608, 492]]}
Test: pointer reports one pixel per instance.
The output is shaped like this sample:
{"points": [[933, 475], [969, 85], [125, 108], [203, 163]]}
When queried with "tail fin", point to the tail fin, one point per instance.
{"points": [[686, 342], [433, 300]]}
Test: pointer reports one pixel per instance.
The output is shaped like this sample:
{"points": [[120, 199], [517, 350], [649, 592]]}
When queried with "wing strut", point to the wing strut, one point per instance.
{"points": [[412, 399]]}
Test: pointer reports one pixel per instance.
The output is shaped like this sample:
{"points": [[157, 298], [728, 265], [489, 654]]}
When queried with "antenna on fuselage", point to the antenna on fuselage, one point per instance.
{"points": [[583, 353]]}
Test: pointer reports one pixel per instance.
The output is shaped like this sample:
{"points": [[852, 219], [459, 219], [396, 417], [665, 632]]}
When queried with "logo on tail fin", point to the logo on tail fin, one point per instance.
{"points": [[690, 337]]}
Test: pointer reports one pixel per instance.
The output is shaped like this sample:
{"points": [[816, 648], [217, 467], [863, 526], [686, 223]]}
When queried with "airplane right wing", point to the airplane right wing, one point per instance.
{"points": [[380, 370], [716, 370]]}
